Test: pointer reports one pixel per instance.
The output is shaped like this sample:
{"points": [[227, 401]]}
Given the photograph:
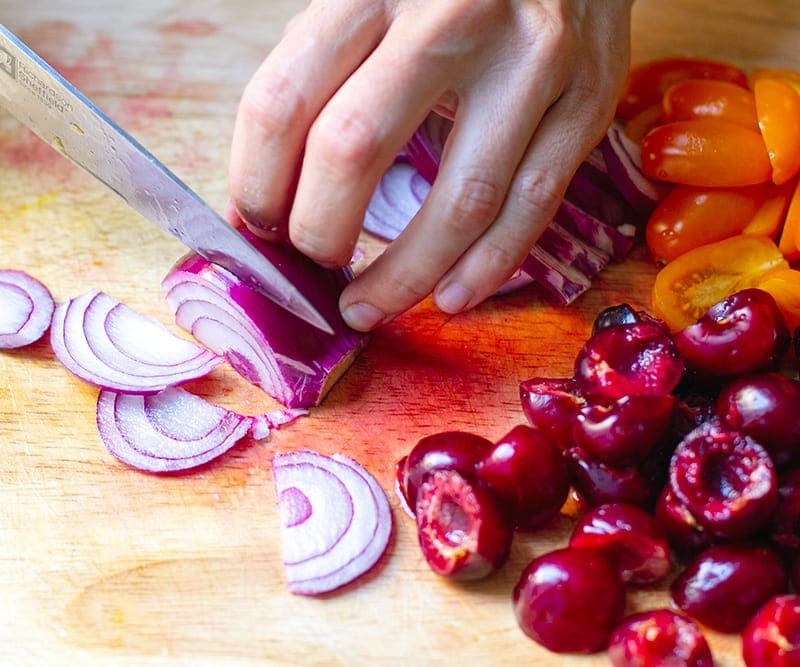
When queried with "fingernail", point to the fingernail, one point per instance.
{"points": [[454, 298], [362, 316]]}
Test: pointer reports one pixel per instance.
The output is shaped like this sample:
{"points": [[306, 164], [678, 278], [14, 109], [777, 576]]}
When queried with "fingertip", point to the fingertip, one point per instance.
{"points": [[453, 298], [363, 316]]}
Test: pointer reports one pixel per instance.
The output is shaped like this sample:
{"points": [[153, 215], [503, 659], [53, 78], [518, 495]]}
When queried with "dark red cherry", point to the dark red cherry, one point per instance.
{"points": [[628, 359], [551, 405], [569, 600], [772, 637], [725, 479], [685, 535], [623, 313], [633, 538], [659, 638], [724, 586], [743, 333], [529, 474], [463, 531]]}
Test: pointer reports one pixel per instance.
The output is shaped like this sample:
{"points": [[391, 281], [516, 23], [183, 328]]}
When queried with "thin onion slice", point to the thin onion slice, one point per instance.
{"points": [[335, 520], [175, 430], [26, 309], [111, 346], [289, 359]]}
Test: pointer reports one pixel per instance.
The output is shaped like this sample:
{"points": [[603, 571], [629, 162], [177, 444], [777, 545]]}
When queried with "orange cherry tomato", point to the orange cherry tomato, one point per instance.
{"points": [[643, 122], [789, 242], [706, 152], [691, 216], [778, 108], [701, 98], [784, 286], [688, 286], [770, 217], [648, 82], [791, 76]]}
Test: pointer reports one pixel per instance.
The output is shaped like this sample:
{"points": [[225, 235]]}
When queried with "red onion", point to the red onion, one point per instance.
{"points": [[26, 308], [396, 200], [109, 345], [335, 520], [289, 359], [174, 430]]}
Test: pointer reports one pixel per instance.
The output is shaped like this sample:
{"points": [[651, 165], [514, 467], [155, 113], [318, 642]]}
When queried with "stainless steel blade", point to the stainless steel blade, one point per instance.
{"points": [[62, 116]]}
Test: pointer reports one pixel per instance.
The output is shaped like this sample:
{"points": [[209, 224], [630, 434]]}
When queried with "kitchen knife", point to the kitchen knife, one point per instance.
{"points": [[61, 115]]}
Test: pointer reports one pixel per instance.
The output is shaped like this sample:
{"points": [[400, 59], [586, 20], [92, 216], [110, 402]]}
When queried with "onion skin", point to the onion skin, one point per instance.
{"points": [[289, 359]]}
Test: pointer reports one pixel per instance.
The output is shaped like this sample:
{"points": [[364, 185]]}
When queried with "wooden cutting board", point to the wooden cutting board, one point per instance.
{"points": [[100, 564]]}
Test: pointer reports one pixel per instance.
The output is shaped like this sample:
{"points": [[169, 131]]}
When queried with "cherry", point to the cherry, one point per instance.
{"points": [[622, 313], [529, 474], [569, 600], [448, 450], [725, 479], [627, 431], [723, 586], [686, 537], [599, 483], [764, 406], [659, 638], [784, 529], [743, 333], [631, 536], [551, 405], [462, 529], [628, 359], [772, 637]]}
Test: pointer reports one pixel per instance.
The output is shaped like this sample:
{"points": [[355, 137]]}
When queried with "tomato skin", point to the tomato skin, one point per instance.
{"points": [[648, 82], [702, 98], [770, 217], [710, 153], [778, 110], [789, 242], [791, 76], [689, 285], [691, 216], [784, 286]]}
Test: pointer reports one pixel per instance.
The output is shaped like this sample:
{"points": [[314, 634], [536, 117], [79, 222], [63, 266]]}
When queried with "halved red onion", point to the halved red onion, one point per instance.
{"points": [[335, 520], [289, 359], [396, 200], [26, 309], [174, 429], [109, 345]]}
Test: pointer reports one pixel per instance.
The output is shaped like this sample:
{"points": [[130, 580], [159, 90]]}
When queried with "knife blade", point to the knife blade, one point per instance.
{"points": [[44, 101]]}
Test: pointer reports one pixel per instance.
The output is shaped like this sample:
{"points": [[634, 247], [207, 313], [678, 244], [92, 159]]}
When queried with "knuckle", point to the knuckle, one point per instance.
{"points": [[406, 287], [473, 203], [538, 193], [273, 102], [320, 245], [348, 139]]}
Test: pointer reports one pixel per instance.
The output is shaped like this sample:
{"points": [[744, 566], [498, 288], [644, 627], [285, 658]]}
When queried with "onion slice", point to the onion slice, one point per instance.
{"points": [[26, 309], [109, 345], [288, 358], [335, 520], [174, 430]]}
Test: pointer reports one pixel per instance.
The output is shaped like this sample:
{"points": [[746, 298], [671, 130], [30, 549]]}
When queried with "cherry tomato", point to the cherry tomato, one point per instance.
{"points": [[691, 216], [689, 285], [789, 243], [706, 152], [784, 286], [648, 81], [778, 108], [702, 98], [792, 77], [643, 122], [770, 216]]}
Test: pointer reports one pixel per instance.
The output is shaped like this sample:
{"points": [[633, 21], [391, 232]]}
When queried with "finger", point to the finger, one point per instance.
{"points": [[561, 142], [354, 140], [320, 49], [489, 138]]}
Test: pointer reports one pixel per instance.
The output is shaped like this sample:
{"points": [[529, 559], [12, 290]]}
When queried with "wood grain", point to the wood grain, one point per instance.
{"points": [[104, 565]]}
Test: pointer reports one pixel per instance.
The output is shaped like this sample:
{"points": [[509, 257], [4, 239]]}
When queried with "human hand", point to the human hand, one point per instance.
{"points": [[530, 84]]}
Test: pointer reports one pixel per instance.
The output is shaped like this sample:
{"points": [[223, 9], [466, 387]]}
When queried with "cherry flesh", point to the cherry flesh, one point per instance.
{"points": [[569, 600], [628, 359], [659, 638], [551, 405], [725, 479], [529, 474], [724, 586], [463, 531], [765, 407], [741, 334], [772, 637], [634, 539]]}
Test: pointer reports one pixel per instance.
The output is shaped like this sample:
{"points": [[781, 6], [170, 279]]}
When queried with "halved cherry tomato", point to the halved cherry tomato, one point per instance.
{"points": [[784, 286], [689, 285], [778, 108], [648, 81], [691, 216], [770, 217], [706, 152], [791, 76], [701, 98], [789, 243]]}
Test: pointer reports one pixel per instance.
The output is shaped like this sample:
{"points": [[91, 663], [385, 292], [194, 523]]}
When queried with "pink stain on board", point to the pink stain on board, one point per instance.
{"points": [[190, 28]]}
